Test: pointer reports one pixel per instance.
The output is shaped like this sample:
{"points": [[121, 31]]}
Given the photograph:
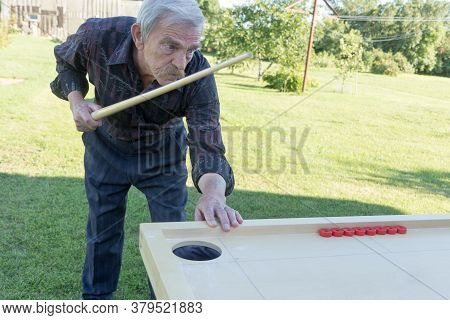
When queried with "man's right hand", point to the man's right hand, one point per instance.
{"points": [[81, 110]]}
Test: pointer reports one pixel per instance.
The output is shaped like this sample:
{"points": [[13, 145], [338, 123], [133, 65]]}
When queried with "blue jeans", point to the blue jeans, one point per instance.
{"points": [[157, 167]]}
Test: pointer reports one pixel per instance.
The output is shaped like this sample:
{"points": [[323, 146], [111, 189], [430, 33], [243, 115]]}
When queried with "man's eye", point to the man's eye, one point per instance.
{"points": [[169, 47]]}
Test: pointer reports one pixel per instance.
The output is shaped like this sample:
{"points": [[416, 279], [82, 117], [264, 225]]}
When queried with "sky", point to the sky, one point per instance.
{"points": [[230, 3]]}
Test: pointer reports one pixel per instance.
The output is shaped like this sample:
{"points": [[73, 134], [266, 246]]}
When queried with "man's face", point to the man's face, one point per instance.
{"points": [[168, 49]]}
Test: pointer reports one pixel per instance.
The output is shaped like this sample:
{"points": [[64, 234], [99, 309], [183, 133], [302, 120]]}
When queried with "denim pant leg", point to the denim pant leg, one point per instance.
{"points": [[167, 197], [106, 190]]}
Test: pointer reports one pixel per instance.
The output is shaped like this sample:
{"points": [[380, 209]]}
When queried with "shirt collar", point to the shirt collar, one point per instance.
{"points": [[122, 54]]}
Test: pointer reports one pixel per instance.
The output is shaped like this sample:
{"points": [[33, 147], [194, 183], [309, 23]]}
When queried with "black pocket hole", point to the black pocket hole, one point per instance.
{"points": [[197, 251]]}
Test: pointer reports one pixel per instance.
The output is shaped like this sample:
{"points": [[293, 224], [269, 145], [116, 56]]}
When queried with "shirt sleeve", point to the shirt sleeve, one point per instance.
{"points": [[71, 64], [206, 147]]}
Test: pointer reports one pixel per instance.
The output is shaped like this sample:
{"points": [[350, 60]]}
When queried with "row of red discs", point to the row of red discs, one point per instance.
{"points": [[362, 231]]}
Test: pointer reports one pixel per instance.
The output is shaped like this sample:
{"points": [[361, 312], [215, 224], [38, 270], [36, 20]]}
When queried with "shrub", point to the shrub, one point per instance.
{"points": [[383, 63], [389, 64], [442, 67], [284, 80], [403, 64], [287, 80]]}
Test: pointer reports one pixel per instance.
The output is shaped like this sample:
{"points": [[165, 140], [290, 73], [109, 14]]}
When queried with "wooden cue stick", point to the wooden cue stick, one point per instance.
{"points": [[120, 106]]}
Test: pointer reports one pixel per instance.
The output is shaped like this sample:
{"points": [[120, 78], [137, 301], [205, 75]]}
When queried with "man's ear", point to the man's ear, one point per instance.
{"points": [[137, 36]]}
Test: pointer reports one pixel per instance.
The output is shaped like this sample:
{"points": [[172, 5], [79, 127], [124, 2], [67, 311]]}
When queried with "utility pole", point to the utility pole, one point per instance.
{"points": [[311, 33], [310, 44]]}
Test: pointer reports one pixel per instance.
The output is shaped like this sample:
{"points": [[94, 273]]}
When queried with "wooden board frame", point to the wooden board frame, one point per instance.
{"points": [[157, 241]]}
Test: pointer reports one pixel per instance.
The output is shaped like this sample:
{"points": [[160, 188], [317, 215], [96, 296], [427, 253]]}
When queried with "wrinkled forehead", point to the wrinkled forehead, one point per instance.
{"points": [[183, 32]]}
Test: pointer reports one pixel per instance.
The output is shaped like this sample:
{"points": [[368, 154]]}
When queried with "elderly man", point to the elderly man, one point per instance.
{"points": [[144, 146]]}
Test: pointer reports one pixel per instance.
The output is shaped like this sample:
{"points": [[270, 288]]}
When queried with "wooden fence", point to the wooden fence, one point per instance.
{"points": [[60, 18]]}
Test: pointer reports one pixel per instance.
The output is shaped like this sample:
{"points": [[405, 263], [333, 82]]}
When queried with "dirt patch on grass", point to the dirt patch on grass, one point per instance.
{"points": [[6, 81]]}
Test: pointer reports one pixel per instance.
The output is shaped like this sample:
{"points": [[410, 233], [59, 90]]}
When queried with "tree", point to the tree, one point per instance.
{"points": [[223, 37], [354, 7], [210, 9], [418, 41], [349, 56], [329, 33], [265, 29], [212, 12], [442, 66]]}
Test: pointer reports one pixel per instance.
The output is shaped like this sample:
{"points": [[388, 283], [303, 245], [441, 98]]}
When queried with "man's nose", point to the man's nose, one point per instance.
{"points": [[180, 61]]}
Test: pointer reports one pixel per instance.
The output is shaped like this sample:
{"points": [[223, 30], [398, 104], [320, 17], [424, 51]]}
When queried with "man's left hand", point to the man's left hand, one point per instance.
{"points": [[210, 206]]}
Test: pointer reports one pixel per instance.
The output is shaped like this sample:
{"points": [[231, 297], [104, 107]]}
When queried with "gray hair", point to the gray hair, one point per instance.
{"points": [[172, 11]]}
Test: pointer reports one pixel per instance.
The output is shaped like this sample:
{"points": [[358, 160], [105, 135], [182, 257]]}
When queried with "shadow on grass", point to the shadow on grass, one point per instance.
{"points": [[251, 87], [43, 230], [424, 180], [266, 89], [235, 75], [433, 181]]}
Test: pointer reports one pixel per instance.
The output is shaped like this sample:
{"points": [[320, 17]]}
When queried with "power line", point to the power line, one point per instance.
{"points": [[392, 38], [387, 38], [394, 18], [331, 8]]}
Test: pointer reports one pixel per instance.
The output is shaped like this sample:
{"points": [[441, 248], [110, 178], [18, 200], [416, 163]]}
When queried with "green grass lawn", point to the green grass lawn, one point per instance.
{"points": [[381, 150]]}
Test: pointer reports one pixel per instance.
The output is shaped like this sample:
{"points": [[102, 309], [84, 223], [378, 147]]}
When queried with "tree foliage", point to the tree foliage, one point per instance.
{"points": [[354, 7], [349, 55], [383, 63], [265, 29], [442, 66], [424, 44], [212, 12], [328, 36], [210, 9], [417, 40]]}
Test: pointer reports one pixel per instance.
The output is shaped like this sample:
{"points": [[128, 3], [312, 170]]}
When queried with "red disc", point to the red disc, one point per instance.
{"points": [[401, 229], [381, 230], [325, 232], [391, 230], [371, 231], [349, 232], [337, 232], [359, 231]]}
